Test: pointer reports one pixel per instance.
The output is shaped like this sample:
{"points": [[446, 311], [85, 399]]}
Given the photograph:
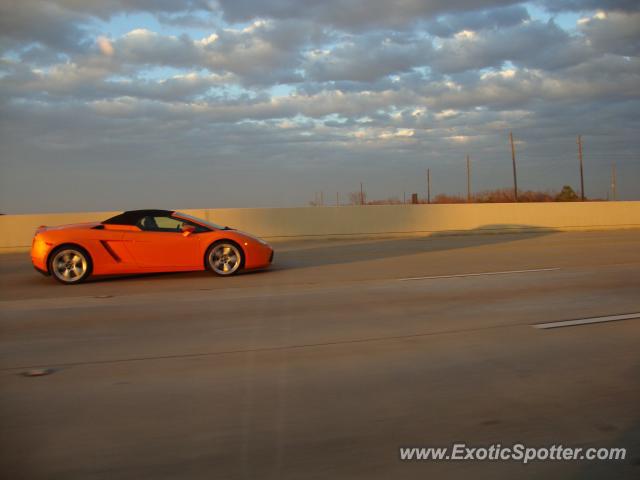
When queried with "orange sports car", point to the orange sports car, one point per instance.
{"points": [[145, 241]]}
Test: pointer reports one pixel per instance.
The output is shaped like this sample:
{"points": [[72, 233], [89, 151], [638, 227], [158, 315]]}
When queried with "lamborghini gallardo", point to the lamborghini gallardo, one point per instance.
{"points": [[145, 241]]}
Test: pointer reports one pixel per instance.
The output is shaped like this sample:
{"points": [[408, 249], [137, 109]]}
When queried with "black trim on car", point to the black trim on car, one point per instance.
{"points": [[110, 251], [132, 217]]}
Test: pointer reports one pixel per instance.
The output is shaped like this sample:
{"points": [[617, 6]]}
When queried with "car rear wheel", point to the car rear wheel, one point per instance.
{"points": [[224, 258], [70, 265]]}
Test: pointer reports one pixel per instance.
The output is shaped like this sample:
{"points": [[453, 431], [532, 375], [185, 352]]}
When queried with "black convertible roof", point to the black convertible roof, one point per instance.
{"points": [[133, 216]]}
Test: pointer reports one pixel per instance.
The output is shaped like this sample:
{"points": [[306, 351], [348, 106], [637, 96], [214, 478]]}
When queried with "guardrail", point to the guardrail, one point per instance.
{"points": [[16, 231]]}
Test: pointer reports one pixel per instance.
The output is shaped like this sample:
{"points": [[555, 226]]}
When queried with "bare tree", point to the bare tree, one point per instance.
{"points": [[358, 198]]}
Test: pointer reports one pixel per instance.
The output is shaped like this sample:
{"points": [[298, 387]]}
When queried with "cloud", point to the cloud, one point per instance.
{"points": [[554, 48], [145, 47], [289, 87], [449, 25], [263, 53], [353, 15], [586, 5], [47, 23], [613, 32], [92, 83], [61, 23], [105, 46], [367, 58]]}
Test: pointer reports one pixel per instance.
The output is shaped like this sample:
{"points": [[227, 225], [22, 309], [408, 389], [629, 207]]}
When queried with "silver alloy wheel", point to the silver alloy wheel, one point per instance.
{"points": [[225, 259], [69, 265]]}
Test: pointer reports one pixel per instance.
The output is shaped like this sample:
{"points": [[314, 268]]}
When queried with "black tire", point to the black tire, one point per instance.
{"points": [[224, 258], [70, 264]]}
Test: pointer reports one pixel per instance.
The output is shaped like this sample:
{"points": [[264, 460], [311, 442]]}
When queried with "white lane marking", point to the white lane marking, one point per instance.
{"points": [[586, 321], [507, 272]]}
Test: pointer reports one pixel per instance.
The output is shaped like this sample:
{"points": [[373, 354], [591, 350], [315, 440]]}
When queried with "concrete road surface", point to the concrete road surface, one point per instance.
{"points": [[325, 365]]}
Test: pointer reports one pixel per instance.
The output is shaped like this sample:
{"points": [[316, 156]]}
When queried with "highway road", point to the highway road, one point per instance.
{"points": [[323, 366]]}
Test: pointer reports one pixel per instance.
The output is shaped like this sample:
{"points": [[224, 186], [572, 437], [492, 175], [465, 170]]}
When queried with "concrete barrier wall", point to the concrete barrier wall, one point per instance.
{"points": [[16, 231]]}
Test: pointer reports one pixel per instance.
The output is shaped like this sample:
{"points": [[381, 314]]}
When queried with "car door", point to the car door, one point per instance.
{"points": [[160, 243]]}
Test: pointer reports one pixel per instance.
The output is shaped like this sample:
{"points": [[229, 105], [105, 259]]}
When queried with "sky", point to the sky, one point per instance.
{"points": [[123, 104]]}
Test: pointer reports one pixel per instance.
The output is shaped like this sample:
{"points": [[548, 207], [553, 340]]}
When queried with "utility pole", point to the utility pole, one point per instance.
{"points": [[513, 160], [581, 173], [361, 194], [428, 185], [613, 182], [468, 180]]}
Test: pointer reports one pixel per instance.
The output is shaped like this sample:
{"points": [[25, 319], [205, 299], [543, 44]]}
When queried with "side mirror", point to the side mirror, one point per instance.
{"points": [[188, 230]]}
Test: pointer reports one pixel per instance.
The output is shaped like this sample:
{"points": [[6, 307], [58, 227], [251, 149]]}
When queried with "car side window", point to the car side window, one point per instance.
{"points": [[159, 224], [166, 224]]}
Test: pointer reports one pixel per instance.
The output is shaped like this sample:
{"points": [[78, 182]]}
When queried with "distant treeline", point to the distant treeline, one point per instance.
{"points": [[501, 195]]}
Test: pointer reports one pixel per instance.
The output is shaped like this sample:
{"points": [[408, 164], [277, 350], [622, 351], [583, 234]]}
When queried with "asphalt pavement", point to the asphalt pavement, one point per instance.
{"points": [[323, 366]]}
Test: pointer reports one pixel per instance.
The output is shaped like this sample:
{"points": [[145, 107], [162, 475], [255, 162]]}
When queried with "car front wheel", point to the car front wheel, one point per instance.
{"points": [[224, 258]]}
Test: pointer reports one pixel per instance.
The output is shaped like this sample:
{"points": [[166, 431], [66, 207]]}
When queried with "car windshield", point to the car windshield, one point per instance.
{"points": [[199, 220]]}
